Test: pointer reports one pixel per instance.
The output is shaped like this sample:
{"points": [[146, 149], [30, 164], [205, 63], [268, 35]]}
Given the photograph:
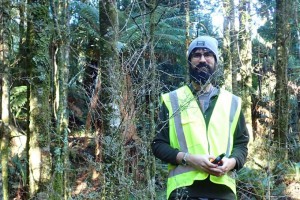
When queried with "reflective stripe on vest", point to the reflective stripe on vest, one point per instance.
{"points": [[177, 120]]}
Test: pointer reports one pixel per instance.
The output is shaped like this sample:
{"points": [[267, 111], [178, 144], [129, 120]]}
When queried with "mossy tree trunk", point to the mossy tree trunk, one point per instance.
{"points": [[246, 61], [103, 100], [60, 63], [4, 129], [234, 48], [226, 53], [39, 157], [5, 105], [283, 31], [187, 35], [153, 90]]}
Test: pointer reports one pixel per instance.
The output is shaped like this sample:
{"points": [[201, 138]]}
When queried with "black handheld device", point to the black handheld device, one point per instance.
{"points": [[218, 159]]}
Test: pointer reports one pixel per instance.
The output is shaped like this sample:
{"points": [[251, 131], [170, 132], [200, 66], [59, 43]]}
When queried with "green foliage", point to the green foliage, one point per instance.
{"points": [[169, 34], [266, 8], [255, 82], [251, 183], [17, 170], [268, 32], [86, 15], [18, 99], [261, 183], [296, 170]]}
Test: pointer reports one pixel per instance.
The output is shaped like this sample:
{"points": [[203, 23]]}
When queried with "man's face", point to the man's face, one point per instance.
{"points": [[203, 65]]}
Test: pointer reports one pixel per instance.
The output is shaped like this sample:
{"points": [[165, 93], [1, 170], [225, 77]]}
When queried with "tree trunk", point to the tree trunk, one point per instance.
{"points": [[246, 61], [104, 97], [226, 45], [283, 31], [234, 48], [5, 105], [153, 94], [5, 132], [39, 115], [187, 35], [60, 62]]}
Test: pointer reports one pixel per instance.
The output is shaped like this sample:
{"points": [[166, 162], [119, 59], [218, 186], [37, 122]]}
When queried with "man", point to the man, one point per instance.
{"points": [[197, 123]]}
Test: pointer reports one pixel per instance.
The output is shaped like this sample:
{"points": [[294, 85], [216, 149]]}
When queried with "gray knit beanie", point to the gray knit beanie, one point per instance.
{"points": [[204, 42]]}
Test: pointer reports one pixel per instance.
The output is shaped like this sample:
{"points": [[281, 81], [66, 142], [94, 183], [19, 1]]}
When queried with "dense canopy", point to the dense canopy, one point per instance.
{"points": [[81, 83]]}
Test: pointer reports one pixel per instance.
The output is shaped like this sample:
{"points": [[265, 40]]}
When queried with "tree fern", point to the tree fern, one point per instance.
{"points": [[18, 100]]}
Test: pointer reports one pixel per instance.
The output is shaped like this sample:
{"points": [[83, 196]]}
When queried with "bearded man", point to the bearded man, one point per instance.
{"points": [[201, 132]]}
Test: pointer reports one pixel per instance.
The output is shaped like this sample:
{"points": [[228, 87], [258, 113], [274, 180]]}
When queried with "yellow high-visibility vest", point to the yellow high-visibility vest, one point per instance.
{"points": [[188, 133]]}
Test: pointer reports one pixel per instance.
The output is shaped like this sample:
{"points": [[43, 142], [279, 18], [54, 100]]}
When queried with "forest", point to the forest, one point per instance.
{"points": [[81, 82]]}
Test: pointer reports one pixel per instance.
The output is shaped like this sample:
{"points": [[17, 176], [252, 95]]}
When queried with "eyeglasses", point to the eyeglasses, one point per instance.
{"points": [[207, 55]]}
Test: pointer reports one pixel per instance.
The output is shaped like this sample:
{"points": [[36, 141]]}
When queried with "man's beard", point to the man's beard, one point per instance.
{"points": [[201, 73]]}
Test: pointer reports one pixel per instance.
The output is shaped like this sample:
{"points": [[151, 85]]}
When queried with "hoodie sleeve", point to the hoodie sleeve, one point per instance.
{"points": [[240, 144]]}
